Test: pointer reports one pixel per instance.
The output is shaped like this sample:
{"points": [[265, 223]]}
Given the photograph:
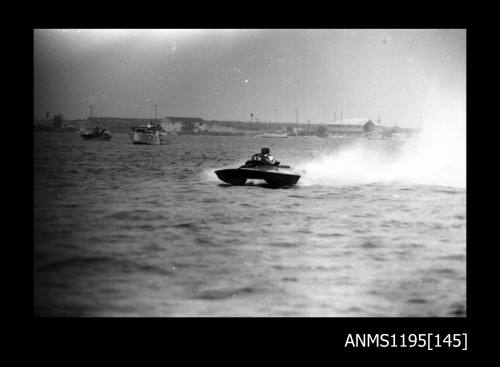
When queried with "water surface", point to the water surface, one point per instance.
{"points": [[125, 230]]}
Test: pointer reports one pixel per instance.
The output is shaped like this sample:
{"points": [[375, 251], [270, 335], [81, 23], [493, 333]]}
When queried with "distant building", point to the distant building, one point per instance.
{"points": [[184, 124], [353, 126], [171, 126]]}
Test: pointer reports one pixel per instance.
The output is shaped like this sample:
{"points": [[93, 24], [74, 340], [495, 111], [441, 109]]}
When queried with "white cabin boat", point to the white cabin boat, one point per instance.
{"points": [[272, 135], [149, 134]]}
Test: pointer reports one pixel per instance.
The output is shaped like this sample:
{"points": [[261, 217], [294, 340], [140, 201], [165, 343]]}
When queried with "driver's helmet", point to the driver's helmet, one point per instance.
{"points": [[265, 151]]}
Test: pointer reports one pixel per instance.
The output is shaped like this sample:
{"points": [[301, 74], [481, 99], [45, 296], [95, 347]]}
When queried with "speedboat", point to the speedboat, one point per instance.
{"points": [[96, 134], [275, 175]]}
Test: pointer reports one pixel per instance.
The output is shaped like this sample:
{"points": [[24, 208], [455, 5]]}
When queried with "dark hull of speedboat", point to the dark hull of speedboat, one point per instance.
{"points": [[238, 176]]}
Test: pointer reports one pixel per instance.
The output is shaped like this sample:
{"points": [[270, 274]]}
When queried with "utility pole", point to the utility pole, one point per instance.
{"points": [[91, 111], [296, 117], [155, 110], [334, 117]]}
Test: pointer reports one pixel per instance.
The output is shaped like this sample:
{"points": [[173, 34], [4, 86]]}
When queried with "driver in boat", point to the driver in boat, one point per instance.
{"points": [[265, 156]]}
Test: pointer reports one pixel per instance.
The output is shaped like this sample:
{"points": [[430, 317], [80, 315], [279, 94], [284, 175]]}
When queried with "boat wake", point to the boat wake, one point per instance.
{"points": [[436, 157]]}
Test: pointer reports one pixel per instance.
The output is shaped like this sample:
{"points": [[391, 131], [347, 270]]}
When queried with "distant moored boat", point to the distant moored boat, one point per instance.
{"points": [[96, 134], [272, 135], [149, 134]]}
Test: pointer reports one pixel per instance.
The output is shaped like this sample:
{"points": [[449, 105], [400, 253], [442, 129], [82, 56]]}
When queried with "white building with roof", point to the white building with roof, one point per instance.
{"points": [[351, 126], [188, 124]]}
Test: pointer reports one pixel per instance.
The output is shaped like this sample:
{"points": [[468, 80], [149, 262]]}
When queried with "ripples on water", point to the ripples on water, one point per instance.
{"points": [[124, 230]]}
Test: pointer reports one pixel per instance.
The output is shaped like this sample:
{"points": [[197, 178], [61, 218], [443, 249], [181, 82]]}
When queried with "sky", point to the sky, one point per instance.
{"points": [[224, 74]]}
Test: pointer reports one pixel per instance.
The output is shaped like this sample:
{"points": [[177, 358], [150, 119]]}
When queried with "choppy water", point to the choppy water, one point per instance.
{"points": [[124, 230]]}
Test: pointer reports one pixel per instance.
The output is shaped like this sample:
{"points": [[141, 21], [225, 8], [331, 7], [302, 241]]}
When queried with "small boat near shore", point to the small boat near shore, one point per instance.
{"points": [[96, 134], [150, 134], [272, 135]]}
